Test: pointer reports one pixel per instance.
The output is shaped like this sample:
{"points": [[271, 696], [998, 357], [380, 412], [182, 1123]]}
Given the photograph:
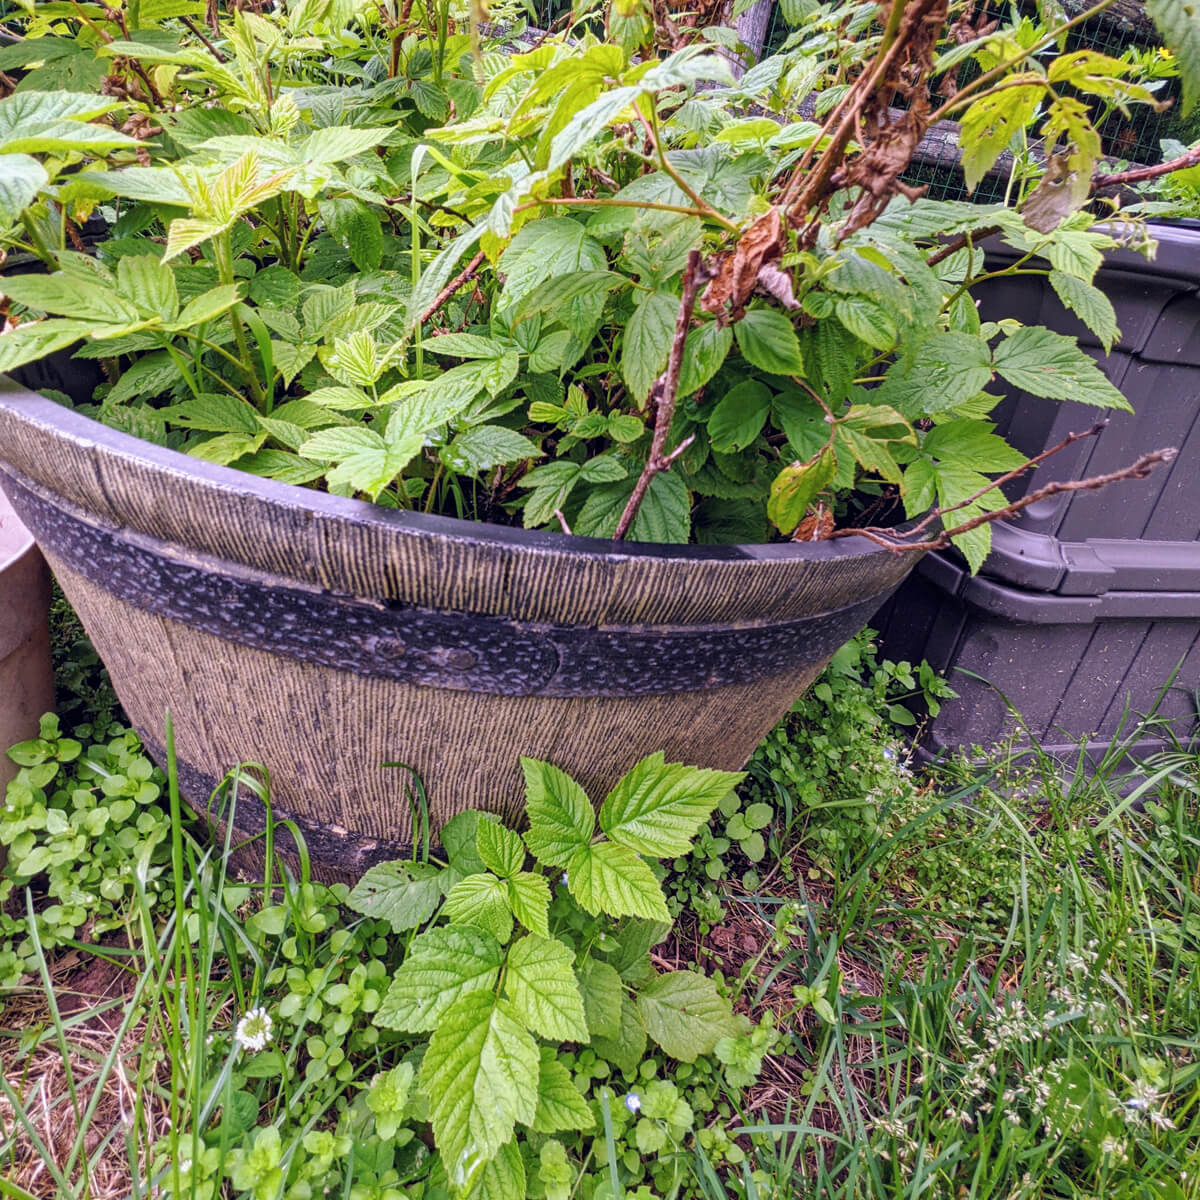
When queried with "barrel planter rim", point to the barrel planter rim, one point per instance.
{"points": [[493, 640], [89, 433]]}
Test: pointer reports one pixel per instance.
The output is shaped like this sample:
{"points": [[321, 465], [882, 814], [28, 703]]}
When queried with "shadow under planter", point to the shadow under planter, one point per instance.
{"points": [[325, 637], [26, 673]]}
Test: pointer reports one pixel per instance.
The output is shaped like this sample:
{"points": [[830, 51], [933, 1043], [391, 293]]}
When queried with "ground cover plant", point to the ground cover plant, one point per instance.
{"points": [[983, 986], [584, 284]]}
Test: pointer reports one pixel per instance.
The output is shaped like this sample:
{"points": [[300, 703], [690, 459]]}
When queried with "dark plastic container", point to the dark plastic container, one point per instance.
{"points": [[1089, 601], [1074, 667], [1142, 535]]}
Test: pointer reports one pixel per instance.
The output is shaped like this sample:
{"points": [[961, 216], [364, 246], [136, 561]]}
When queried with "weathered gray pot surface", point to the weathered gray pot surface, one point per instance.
{"points": [[26, 675], [324, 637]]}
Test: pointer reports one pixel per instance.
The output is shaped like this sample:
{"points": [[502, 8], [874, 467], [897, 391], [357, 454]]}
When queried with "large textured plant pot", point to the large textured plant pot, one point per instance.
{"points": [[26, 676], [325, 637]]}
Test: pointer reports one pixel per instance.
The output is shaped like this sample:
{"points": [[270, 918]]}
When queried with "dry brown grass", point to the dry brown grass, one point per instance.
{"points": [[38, 1142]]}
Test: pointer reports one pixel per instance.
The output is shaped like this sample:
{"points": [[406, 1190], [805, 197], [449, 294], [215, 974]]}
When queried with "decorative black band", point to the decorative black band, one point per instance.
{"points": [[334, 852], [392, 640]]}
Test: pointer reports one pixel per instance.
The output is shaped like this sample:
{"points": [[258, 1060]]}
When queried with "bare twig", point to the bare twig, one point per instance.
{"points": [[1140, 174], [898, 545], [462, 277], [664, 392], [954, 245], [562, 520], [186, 21], [1000, 480]]}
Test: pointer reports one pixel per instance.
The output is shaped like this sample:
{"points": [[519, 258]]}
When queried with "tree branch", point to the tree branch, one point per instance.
{"points": [[665, 390], [896, 543], [465, 274]]}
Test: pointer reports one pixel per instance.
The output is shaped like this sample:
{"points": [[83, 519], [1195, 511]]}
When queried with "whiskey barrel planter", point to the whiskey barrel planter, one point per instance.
{"points": [[26, 675], [325, 637]]}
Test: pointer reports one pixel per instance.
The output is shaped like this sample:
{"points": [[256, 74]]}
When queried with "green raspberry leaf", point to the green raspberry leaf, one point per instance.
{"points": [[529, 899], [1049, 364], [561, 818], [501, 850], [612, 879], [540, 981], [600, 985], [658, 807], [481, 900], [480, 1073], [441, 966], [628, 1048], [503, 1178], [405, 894], [685, 1014], [559, 1106]]}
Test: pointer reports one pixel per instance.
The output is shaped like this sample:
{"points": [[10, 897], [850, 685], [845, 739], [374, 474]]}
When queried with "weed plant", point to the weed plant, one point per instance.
{"points": [[979, 986]]}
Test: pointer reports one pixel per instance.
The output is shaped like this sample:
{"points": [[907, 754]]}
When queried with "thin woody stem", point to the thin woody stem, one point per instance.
{"points": [[665, 390], [1136, 470], [462, 277]]}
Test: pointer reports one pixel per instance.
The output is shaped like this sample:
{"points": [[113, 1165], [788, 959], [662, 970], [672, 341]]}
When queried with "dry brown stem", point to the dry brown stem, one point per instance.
{"points": [[664, 393]]}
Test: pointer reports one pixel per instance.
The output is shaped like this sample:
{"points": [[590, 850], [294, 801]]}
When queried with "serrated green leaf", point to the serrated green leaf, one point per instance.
{"points": [[657, 808], [559, 1106], [1089, 304], [948, 369], [628, 1048], [685, 1014], [208, 306], [795, 488], [35, 340], [1052, 365], [405, 894], [738, 417], [501, 850], [441, 966], [529, 899], [972, 443], [647, 342], [767, 340], [480, 1073], [481, 900], [21, 178], [561, 818], [485, 447], [539, 979], [989, 124], [612, 879], [356, 227], [704, 352], [502, 1178], [601, 988], [70, 296]]}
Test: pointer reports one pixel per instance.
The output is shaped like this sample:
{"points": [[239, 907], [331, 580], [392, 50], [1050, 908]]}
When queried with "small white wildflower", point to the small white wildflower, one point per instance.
{"points": [[633, 1102], [254, 1030], [564, 879], [889, 754]]}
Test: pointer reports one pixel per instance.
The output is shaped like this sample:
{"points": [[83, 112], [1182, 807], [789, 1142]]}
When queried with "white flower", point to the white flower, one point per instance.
{"points": [[564, 879], [254, 1030], [633, 1102]]}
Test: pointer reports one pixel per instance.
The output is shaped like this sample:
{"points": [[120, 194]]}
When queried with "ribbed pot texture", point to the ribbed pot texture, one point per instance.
{"points": [[325, 637], [26, 676]]}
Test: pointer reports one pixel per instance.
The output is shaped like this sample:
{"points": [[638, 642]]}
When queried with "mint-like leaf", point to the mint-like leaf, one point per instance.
{"points": [[405, 894], [685, 1014]]}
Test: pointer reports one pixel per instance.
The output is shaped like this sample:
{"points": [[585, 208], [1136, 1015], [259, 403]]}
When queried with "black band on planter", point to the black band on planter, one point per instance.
{"points": [[333, 850], [456, 650]]}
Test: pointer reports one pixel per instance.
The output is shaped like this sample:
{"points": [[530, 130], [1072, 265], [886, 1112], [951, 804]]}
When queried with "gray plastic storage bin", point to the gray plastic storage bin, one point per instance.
{"points": [[1142, 535], [1089, 601], [1072, 666]]}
